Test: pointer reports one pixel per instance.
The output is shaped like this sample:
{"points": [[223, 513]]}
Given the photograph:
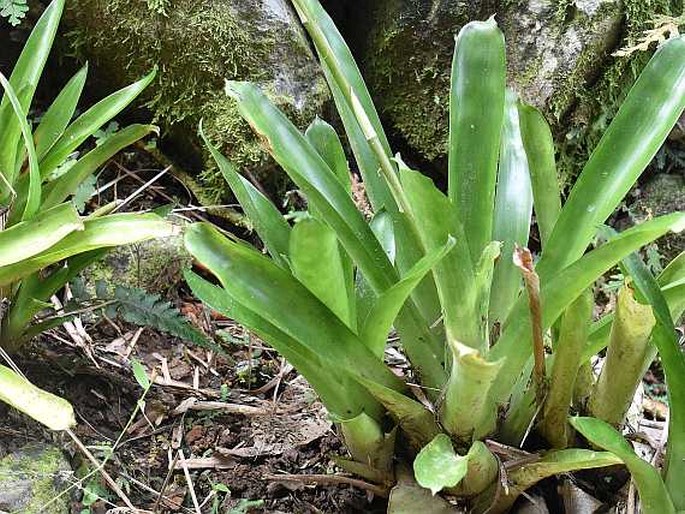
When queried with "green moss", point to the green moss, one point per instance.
{"points": [[42, 467], [408, 69], [197, 46], [596, 105]]}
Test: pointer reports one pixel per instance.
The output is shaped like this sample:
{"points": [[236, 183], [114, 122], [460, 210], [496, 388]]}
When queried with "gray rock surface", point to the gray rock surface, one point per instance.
{"points": [[552, 54], [197, 45], [31, 477]]}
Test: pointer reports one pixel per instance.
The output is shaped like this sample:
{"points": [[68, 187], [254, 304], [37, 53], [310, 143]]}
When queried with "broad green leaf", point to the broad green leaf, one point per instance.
{"points": [[645, 118], [32, 200], [415, 420], [563, 288], [555, 462], [316, 261], [46, 408], [267, 221], [327, 143], [438, 466], [313, 176], [90, 121], [513, 210], [342, 396], [539, 146], [140, 374], [335, 206], [654, 497], [410, 498], [59, 190], [113, 230], [59, 114], [476, 116], [30, 238], [264, 287], [24, 80], [468, 412], [674, 273], [673, 361], [383, 313], [436, 219]]}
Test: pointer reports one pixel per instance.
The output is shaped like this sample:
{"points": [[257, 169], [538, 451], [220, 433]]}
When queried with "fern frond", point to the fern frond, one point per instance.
{"points": [[146, 309]]}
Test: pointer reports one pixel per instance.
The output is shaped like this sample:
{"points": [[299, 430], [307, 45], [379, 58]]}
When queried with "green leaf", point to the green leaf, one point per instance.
{"points": [[14, 11], [437, 465], [66, 185], [140, 374], [345, 80], [90, 121], [327, 143], [436, 220], [108, 231], [673, 361], [645, 118], [539, 146], [24, 80], [316, 261], [513, 210], [32, 200], [29, 238], [383, 313], [552, 463], [317, 181], [264, 287], [342, 396], [654, 497], [59, 114], [476, 117], [46, 408], [267, 221], [564, 287]]}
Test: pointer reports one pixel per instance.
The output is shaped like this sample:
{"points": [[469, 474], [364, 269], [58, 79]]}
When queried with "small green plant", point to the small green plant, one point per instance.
{"points": [[13, 10], [498, 341], [45, 242]]}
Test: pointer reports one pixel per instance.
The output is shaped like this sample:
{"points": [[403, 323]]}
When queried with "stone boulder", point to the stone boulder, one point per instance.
{"points": [[31, 477], [196, 46], [558, 54]]}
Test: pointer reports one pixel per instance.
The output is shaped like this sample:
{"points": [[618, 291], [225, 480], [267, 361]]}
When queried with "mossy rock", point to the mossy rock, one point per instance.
{"points": [[196, 46], [663, 194], [31, 478], [558, 57]]}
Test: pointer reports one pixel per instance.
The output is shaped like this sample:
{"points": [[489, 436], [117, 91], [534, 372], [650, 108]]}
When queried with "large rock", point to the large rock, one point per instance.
{"points": [[31, 478], [558, 53], [197, 45]]}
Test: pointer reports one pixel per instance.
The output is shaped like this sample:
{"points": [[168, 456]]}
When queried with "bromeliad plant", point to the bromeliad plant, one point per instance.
{"points": [[44, 241], [498, 343]]}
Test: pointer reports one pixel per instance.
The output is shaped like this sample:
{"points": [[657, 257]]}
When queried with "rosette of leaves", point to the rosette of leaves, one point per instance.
{"points": [[44, 241], [497, 339]]}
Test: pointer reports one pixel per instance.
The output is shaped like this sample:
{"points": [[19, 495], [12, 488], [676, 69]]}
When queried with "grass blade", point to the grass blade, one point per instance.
{"points": [[59, 114], [90, 121]]}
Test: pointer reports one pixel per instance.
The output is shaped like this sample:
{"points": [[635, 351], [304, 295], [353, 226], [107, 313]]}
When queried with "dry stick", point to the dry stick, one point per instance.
{"points": [[330, 480], [523, 259], [189, 481], [165, 484], [142, 188], [101, 468]]}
